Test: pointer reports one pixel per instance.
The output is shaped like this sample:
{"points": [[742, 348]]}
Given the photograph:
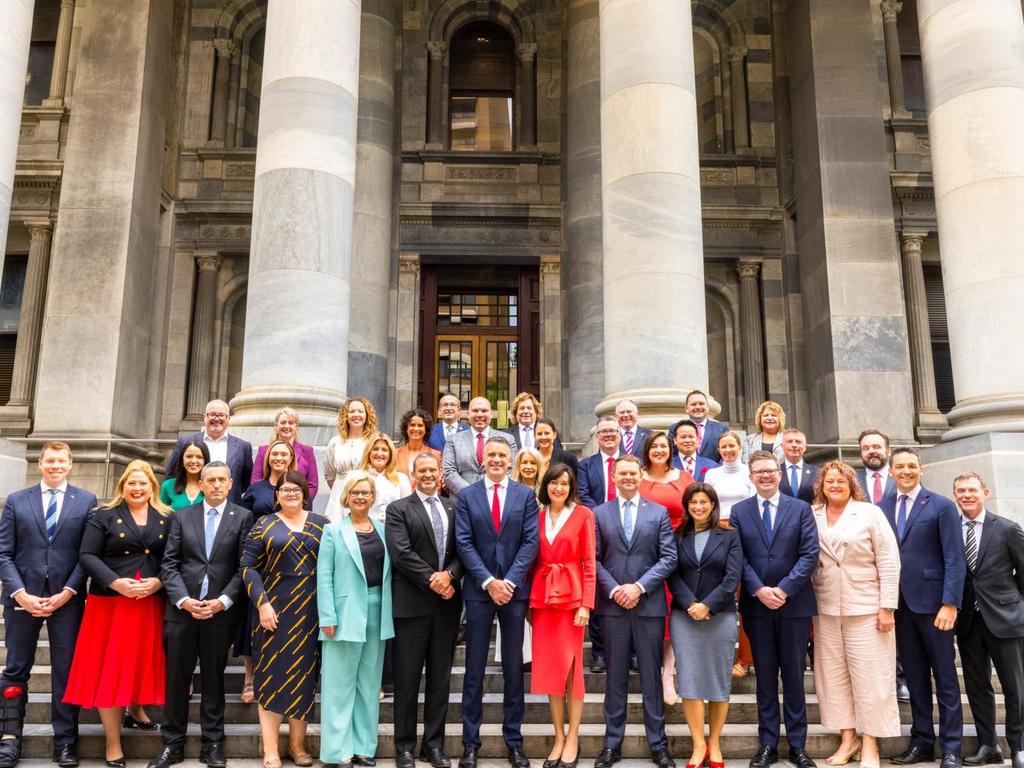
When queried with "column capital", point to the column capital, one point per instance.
{"points": [[736, 53], [69, 4], [912, 241], [208, 261], [748, 269], [436, 49], [39, 227], [891, 9], [225, 47], [527, 52], [551, 265], [409, 263]]}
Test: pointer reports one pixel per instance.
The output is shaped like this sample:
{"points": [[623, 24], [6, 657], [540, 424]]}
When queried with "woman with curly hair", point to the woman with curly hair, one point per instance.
{"points": [[357, 425], [414, 427]]}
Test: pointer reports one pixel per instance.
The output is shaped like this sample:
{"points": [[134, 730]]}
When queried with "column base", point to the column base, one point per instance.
{"points": [[982, 415], [659, 408], [930, 426], [254, 408], [15, 420], [13, 467], [996, 456]]}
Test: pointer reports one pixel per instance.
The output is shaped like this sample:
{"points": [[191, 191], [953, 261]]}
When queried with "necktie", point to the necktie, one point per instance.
{"points": [[438, 526], [611, 481], [528, 437], [971, 546], [496, 509], [794, 478], [480, 448], [211, 533], [628, 441], [690, 464], [901, 517], [448, 432], [700, 436], [766, 518], [627, 520], [51, 514], [876, 490]]}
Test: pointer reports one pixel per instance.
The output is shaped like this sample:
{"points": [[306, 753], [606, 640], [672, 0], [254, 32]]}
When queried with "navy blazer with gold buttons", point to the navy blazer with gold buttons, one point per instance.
{"points": [[114, 547]]}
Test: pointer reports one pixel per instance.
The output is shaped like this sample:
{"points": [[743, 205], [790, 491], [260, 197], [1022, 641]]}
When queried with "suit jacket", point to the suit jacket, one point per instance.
{"points": [[564, 574], [513, 432], [862, 478], [933, 565], [239, 462], [805, 491], [701, 465], [788, 561], [709, 445], [752, 442], [998, 580], [185, 563], [648, 559], [402, 459], [409, 534], [507, 554], [590, 480], [436, 439], [113, 546], [342, 595], [458, 462], [305, 462], [859, 567], [642, 433], [713, 577], [28, 560]]}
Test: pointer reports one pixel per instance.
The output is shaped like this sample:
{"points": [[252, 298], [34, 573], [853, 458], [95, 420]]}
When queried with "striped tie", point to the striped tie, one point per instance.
{"points": [[629, 441], [51, 514], [971, 550]]}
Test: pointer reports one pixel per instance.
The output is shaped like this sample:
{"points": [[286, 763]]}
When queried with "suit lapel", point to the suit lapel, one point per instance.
{"points": [[224, 529], [35, 500], [638, 519], [421, 511], [988, 532], [69, 508], [348, 535], [759, 524], [779, 521], [915, 511], [821, 518], [197, 521], [713, 543], [689, 550]]}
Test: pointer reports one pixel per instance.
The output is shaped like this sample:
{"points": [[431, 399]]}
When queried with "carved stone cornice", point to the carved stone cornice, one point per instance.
{"points": [[891, 9]]}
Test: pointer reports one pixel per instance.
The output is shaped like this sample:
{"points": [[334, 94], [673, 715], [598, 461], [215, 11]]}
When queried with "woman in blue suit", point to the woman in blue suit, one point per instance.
{"points": [[354, 583]]}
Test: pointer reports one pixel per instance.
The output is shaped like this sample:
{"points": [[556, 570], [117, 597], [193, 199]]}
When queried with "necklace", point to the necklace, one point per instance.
{"points": [[368, 529]]}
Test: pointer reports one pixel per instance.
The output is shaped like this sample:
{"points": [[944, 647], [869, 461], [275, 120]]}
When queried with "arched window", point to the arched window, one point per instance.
{"points": [[482, 73]]}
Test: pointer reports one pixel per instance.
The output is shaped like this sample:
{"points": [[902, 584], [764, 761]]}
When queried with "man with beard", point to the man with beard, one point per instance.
{"points": [[874, 478]]}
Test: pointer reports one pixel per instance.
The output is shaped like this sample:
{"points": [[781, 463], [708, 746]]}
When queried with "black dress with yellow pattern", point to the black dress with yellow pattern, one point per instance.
{"points": [[279, 565]]}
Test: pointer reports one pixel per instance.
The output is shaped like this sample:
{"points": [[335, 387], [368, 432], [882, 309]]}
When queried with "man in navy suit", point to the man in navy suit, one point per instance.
{"points": [[41, 530], [780, 546], [633, 437], [233, 451], [448, 423], [636, 552], [797, 475], [497, 537], [932, 572], [874, 477], [687, 458], [708, 430]]}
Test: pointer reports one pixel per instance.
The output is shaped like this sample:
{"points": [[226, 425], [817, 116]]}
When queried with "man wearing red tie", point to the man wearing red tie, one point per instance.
{"points": [[462, 462], [874, 477]]}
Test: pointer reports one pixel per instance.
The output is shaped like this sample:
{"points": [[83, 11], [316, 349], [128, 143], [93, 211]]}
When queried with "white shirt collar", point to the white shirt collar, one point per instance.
{"points": [[503, 483], [773, 500], [911, 496], [980, 519], [207, 438], [44, 488], [798, 464], [424, 497], [219, 508]]}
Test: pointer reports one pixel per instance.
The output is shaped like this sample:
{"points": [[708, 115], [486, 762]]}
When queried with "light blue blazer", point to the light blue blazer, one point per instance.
{"points": [[341, 589]]}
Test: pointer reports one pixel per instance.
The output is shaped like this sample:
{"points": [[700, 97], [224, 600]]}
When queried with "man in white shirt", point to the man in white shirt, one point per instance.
{"points": [[224, 447], [875, 478], [596, 484], [687, 458], [633, 436], [462, 462]]}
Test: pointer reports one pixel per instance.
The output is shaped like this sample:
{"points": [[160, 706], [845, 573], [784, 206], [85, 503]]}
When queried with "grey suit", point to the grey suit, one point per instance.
{"points": [[459, 466]]}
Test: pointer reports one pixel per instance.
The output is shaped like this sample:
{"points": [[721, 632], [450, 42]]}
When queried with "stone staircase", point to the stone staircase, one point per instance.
{"points": [[739, 738]]}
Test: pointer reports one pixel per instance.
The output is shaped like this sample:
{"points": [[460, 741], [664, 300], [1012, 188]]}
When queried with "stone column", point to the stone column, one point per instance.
{"points": [[204, 313], [61, 55], [650, 175], [15, 36], [753, 336], [302, 216], [582, 268], [407, 333], [30, 323], [740, 119], [893, 63], [225, 51], [551, 337], [435, 94], [528, 107], [371, 251]]}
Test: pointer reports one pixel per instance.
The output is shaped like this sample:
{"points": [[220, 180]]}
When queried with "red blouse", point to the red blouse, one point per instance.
{"points": [[565, 571], [669, 495]]}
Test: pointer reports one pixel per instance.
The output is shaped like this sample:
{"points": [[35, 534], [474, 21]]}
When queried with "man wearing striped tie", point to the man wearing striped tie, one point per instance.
{"points": [[633, 437], [40, 533]]}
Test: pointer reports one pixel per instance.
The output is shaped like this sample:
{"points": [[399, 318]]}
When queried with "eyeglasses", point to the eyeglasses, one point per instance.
{"points": [[216, 416], [607, 432], [290, 491], [763, 472], [360, 493]]}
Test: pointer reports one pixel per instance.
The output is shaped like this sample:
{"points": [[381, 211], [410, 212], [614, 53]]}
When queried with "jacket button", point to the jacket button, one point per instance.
{"points": [[147, 552], [121, 535], [126, 552]]}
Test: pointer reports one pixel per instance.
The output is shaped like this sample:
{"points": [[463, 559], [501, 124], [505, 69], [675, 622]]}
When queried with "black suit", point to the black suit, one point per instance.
{"points": [[239, 461], [808, 473], [186, 639], [426, 625], [993, 631]]}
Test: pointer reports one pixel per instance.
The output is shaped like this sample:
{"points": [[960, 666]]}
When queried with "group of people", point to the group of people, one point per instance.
{"points": [[688, 555]]}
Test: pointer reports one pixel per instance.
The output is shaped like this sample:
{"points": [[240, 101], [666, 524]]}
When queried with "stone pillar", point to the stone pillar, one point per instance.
{"points": [[650, 175], [551, 337], [582, 268], [302, 216], [61, 55], [407, 334], [740, 119], [15, 36], [528, 107], [225, 51], [204, 314], [435, 94], [753, 336], [893, 63], [371, 244]]}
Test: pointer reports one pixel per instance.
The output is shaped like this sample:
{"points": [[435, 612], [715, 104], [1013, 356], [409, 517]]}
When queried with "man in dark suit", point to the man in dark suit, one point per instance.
{"points": [[797, 476], [202, 580], [636, 552], [525, 411], [932, 571], [497, 536], [40, 533], [874, 476], [633, 437], [780, 546], [448, 423], [462, 461], [233, 451], [990, 627], [708, 430], [686, 457], [427, 601]]}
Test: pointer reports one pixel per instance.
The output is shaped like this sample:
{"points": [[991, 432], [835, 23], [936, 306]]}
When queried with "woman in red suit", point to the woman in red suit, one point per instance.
{"points": [[119, 656], [561, 599]]}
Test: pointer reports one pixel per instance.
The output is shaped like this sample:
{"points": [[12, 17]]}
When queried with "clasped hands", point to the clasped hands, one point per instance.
{"points": [[627, 596], [773, 598], [41, 607], [699, 612], [500, 590], [136, 588], [441, 583], [202, 609]]}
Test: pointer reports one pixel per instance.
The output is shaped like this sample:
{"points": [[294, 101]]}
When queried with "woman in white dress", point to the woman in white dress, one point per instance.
{"points": [[379, 460], [357, 424]]}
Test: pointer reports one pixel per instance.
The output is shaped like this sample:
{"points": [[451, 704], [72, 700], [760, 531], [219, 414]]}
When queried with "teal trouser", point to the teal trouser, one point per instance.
{"points": [[350, 691]]}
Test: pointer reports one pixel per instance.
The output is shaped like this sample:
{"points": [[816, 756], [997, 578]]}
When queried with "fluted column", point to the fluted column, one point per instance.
{"points": [[893, 62], [15, 36], [740, 118], [974, 82], [753, 335], [302, 216], [30, 322], [435, 94], [225, 51], [61, 55], [650, 176], [528, 108], [204, 313]]}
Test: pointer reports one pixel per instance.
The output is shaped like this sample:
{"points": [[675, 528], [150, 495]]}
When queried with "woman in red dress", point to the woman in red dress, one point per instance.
{"points": [[561, 599], [664, 484], [119, 656]]}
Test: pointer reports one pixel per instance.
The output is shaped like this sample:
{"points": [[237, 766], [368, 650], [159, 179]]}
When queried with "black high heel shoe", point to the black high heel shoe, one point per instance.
{"points": [[552, 763], [128, 721], [119, 762]]}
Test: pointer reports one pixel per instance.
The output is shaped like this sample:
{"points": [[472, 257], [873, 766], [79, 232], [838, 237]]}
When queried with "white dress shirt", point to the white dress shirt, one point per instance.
{"points": [[869, 477], [440, 509], [979, 523], [773, 506], [551, 529], [218, 448], [635, 501], [526, 436], [45, 489], [604, 472]]}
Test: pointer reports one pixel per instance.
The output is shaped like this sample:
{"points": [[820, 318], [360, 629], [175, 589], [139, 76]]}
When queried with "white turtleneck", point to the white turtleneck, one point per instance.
{"points": [[731, 482]]}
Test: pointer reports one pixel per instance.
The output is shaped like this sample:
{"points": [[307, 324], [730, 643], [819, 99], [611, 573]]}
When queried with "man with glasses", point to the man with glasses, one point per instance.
{"points": [[231, 450], [448, 424]]}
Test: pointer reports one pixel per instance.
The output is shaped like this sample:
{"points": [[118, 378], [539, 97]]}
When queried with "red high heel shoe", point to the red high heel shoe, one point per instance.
{"points": [[704, 760], [713, 764]]}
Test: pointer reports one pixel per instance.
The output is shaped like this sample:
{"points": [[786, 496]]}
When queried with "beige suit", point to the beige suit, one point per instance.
{"points": [[854, 664]]}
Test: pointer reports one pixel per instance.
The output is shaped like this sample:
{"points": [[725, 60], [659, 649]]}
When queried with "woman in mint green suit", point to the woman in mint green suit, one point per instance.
{"points": [[354, 601]]}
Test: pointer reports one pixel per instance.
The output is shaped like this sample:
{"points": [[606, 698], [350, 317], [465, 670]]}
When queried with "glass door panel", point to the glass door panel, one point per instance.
{"points": [[455, 358], [501, 377]]}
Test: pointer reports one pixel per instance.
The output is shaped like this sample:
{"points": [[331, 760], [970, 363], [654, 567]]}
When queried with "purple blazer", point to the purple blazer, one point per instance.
{"points": [[305, 462]]}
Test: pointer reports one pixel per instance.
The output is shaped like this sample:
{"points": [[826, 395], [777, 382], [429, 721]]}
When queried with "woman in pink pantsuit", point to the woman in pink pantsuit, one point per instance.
{"points": [[857, 587]]}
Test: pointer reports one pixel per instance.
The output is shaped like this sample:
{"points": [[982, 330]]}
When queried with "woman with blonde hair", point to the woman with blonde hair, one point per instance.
{"points": [[286, 429], [119, 657], [357, 424], [528, 468], [770, 420], [379, 461]]}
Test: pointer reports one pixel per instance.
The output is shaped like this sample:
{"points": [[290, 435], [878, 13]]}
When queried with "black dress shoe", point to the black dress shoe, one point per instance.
{"points": [[64, 755], [10, 752], [518, 758], [597, 665], [468, 759], [662, 759], [117, 762], [608, 758], [460, 638], [902, 692], [551, 763], [435, 756], [405, 760], [363, 761], [168, 756], [915, 754], [633, 663], [951, 760], [1017, 758], [799, 756], [573, 764], [213, 754], [765, 756], [986, 754]]}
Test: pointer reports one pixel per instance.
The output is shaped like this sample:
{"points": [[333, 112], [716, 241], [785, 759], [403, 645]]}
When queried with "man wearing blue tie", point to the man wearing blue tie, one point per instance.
{"points": [[447, 423]]}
